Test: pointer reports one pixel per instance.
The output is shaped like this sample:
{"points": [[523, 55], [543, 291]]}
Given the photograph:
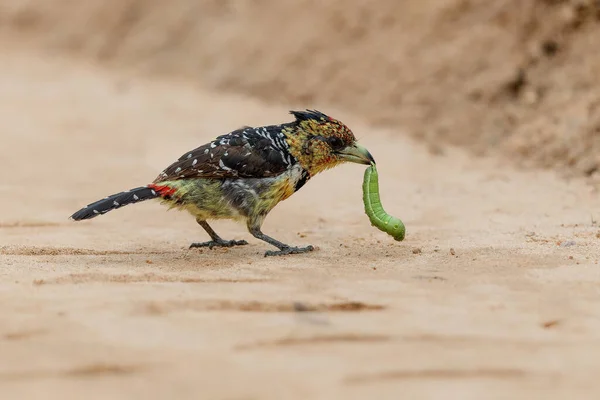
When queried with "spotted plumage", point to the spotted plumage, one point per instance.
{"points": [[242, 175]]}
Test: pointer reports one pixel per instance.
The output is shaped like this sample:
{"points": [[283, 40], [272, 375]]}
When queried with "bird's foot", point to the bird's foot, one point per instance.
{"points": [[219, 243], [288, 250]]}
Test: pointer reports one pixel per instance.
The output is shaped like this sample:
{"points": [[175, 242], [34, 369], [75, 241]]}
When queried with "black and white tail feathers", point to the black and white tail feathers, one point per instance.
{"points": [[115, 201]]}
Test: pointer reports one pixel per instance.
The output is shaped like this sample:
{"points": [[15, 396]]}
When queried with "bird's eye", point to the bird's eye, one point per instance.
{"points": [[335, 142]]}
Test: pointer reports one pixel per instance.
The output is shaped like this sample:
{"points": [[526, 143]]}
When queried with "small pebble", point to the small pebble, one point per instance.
{"points": [[551, 323]]}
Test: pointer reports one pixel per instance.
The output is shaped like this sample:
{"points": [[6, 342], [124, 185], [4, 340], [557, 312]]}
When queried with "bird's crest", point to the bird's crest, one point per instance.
{"points": [[309, 115]]}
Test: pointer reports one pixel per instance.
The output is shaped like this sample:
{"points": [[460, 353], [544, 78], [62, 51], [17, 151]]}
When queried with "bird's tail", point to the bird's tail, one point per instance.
{"points": [[117, 201]]}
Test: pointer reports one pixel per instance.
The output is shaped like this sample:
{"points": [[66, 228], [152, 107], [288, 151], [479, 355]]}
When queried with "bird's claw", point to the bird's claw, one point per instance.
{"points": [[219, 243], [289, 250]]}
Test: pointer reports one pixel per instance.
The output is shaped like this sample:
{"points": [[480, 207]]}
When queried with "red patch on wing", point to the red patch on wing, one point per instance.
{"points": [[164, 191]]}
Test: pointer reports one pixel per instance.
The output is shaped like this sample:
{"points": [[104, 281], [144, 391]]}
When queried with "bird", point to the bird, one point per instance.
{"points": [[244, 174]]}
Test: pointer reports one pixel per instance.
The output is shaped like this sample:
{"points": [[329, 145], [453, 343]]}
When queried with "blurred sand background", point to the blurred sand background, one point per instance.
{"points": [[484, 117]]}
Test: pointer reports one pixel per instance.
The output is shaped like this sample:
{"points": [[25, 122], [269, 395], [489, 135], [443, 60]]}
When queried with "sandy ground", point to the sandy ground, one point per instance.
{"points": [[493, 294]]}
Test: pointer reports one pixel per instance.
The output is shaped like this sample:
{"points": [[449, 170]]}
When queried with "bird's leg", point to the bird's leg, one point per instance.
{"points": [[284, 249], [216, 239]]}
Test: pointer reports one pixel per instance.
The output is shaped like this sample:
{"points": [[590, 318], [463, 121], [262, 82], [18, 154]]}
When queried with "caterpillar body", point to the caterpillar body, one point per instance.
{"points": [[374, 210]]}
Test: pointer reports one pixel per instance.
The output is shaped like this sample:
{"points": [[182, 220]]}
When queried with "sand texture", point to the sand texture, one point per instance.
{"points": [[492, 295]]}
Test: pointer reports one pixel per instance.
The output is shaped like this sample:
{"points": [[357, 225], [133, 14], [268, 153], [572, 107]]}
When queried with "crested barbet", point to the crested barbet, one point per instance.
{"points": [[242, 175]]}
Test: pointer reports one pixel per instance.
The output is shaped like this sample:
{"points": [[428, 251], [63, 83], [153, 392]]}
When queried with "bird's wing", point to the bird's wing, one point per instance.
{"points": [[244, 153]]}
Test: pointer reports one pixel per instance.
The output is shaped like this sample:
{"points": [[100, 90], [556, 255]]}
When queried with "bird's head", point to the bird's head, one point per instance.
{"points": [[320, 142]]}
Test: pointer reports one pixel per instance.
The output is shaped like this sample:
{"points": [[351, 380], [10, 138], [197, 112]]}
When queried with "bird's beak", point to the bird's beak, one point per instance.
{"points": [[357, 154]]}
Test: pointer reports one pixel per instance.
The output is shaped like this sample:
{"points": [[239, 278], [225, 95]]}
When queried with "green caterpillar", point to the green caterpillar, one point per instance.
{"points": [[374, 210]]}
